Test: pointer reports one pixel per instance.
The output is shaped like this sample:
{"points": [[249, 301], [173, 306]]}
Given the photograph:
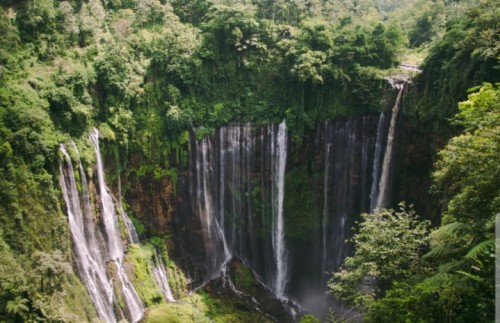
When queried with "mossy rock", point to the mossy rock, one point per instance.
{"points": [[143, 280]]}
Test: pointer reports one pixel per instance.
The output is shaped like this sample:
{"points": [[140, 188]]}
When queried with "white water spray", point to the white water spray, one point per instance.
{"points": [[206, 209]]}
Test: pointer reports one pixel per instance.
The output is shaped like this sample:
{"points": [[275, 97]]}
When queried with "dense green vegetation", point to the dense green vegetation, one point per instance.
{"points": [[449, 274], [147, 71], [465, 56]]}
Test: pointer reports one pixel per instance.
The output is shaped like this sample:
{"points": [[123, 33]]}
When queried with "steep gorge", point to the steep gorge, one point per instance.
{"points": [[226, 201], [234, 153], [243, 192]]}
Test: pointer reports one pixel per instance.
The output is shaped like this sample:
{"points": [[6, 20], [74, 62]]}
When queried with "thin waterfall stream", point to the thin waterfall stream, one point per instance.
{"points": [[132, 235], [383, 187], [324, 220], [278, 222], [376, 162], [114, 242], [160, 274]]}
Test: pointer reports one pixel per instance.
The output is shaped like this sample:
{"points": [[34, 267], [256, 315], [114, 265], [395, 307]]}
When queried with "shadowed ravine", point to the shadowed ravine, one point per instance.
{"points": [[236, 199], [234, 196]]}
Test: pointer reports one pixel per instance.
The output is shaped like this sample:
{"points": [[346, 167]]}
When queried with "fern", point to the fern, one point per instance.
{"points": [[471, 276], [486, 248], [438, 251], [451, 228]]}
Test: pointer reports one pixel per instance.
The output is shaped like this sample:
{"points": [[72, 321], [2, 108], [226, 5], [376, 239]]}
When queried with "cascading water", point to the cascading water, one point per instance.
{"points": [[237, 192], [207, 212], [89, 260], [383, 188], [134, 304], [376, 161], [278, 237], [114, 242], [113, 238], [132, 235], [223, 184], [160, 274]]}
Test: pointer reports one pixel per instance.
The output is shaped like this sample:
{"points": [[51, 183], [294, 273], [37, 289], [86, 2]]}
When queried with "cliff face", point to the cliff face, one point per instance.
{"points": [[416, 156], [152, 200], [224, 202], [226, 191]]}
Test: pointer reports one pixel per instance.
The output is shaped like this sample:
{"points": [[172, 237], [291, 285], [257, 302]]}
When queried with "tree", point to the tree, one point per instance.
{"points": [[9, 39], [468, 173], [388, 247], [461, 285], [51, 269]]}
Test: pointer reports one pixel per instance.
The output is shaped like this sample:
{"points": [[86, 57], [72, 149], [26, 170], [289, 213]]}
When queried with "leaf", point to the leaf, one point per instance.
{"points": [[451, 228], [483, 248], [471, 276]]}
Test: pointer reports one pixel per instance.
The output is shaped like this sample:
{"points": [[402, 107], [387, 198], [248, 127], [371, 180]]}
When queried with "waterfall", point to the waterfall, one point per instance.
{"points": [[383, 188], [278, 237], [234, 203], [376, 161], [206, 211], [132, 235], [160, 274], [88, 258], [223, 190], [324, 221], [235, 150], [115, 248], [113, 238], [130, 295]]}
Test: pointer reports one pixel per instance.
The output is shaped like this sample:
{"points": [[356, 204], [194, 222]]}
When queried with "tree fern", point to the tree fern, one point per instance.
{"points": [[484, 248]]}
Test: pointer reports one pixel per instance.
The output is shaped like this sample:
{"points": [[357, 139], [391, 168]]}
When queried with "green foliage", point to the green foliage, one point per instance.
{"points": [[227, 309], [10, 38], [464, 57], [44, 288], [468, 167], [202, 307], [146, 72], [17, 307], [52, 268], [388, 247], [143, 279], [308, 318], [302, 216], [244, 279], [185, 310], [462, 255]]}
